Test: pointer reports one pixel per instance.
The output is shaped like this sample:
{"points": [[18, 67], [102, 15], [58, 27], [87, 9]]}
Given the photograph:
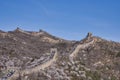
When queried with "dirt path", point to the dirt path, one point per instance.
{"points": [[35, 69], [80, 46]]}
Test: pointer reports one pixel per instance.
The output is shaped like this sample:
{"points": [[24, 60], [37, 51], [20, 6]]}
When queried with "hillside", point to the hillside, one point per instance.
{"points": [[29, 55]]}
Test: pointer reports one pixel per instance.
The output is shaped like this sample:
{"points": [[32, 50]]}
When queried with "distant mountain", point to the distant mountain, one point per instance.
{"points": [[28, 55]]}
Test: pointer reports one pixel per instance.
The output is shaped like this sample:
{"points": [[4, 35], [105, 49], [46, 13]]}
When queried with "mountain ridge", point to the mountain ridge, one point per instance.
{"points": [[91, 58]]}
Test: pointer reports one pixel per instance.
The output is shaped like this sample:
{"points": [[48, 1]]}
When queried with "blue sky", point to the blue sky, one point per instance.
{"points": [[69, 19]]}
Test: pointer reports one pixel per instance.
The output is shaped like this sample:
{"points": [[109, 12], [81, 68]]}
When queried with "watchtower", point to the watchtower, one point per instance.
{"points": [[89, 35]]}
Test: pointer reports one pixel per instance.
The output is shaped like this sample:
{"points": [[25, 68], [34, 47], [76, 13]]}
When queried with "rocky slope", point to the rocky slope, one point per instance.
{"points": [[27, 55]]}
